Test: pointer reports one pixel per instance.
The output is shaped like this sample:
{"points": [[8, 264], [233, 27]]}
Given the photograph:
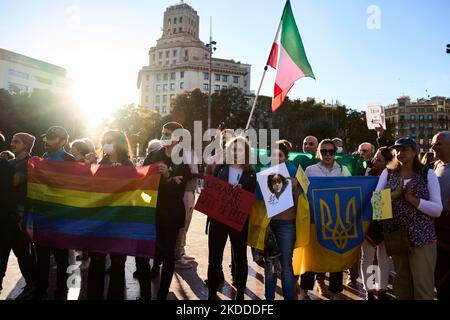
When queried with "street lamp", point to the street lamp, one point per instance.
{"points": [[211, 48]]}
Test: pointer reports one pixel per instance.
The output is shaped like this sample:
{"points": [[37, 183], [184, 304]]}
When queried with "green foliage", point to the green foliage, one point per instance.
{"points": [[34, 113]]}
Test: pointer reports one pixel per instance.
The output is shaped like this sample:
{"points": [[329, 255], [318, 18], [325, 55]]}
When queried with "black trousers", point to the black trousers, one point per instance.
{"points": [[43, 267], [336, 278], [96, 277], [166, 239], [217, 238], [144, 277], [11, 238]]}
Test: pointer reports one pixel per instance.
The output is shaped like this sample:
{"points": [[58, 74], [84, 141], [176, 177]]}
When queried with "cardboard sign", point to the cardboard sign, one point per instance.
{"points": [[302, 179], [223, 202], [382, 205], [375, 116], [276, 187]]}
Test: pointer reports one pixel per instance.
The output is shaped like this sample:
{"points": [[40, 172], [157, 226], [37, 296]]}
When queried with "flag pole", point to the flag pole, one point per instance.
{"points": [[269, 62], [256, 98]]}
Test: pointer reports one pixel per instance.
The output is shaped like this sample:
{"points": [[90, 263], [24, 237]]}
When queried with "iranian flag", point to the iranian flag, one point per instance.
{"points": [[288, 57]]}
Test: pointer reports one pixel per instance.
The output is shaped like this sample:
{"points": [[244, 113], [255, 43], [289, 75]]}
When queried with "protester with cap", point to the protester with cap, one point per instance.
{"points": [[22, 145], [55, 139], [410, 237]]}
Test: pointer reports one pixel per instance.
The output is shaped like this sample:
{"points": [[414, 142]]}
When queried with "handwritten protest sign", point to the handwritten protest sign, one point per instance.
{"points": [[375, 116], [225, 203], [302, 178], [381, 204]]}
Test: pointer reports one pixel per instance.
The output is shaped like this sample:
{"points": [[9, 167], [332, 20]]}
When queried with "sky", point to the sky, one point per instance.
{"points": [[362, 52]]}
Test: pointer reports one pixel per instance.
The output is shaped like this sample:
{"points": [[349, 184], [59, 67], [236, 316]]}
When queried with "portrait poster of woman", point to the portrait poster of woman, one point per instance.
{"points": [[276, 188]]}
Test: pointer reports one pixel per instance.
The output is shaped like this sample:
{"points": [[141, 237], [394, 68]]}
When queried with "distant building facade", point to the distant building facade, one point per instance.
{"points": [[180, 62], [19, 74], [419, 119]]}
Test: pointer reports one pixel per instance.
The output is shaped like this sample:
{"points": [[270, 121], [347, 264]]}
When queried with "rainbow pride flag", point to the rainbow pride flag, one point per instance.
{"points": [[91, 207]]}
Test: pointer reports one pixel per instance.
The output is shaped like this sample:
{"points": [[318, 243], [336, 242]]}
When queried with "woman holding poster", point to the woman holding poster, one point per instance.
{"points": [[282, 226], [238, 172], [327, 167]]}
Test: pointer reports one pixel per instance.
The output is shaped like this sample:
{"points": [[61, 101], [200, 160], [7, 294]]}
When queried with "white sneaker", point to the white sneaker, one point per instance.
{"points": [[182, 264]]}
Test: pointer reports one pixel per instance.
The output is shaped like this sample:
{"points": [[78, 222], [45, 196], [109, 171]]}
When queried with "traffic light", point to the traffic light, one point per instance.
{"points": [[448, 48]]}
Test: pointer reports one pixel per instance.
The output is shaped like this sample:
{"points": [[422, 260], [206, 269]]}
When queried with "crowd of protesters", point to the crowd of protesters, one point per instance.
{"points": [[416, 240]]}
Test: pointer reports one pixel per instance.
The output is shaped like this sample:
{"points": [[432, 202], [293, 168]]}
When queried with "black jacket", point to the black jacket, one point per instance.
{"points": [[248, 179], [7, 205], [170, 209]]}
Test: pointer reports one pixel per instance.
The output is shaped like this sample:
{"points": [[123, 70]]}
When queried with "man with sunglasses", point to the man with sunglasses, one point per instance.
{"points": [[310, 145]]}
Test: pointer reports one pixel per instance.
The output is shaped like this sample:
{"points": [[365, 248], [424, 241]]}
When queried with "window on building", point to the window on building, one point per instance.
{"points": [[205, 87], [157, 109], [430, 109], [216, 88], [174, 53], [180, 30], [412, 110], [401, 104], [43, 80], [170, 21], [174, 20], [421, 110], [402, 110], [412, 118], [182, 74], [402, 117], [167, 54], [153, 57], [165, 87], [224, 87], [160, 55], [421, 117], [172, 76], [217, 77], [164, 99], [224, 78], [186, 53], [181, 19], [160, 63], [172, 96], [19, 74], [158, 99], [205, 76], [174, 30], [421, 125], [245, 83], [172, 87], [166, 76], [430, 117], [430, 126], [164, 109], [182, 85], [158, 77], [147, 77], [146, 89], [235, 79], [158, 88], [412, 126]]}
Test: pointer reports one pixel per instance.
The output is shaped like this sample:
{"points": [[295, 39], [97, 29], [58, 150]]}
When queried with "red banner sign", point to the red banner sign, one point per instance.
{"points": [[225, 203]]}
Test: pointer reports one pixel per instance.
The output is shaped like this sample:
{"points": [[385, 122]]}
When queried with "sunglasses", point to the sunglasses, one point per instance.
{"points": [[325, 152]]}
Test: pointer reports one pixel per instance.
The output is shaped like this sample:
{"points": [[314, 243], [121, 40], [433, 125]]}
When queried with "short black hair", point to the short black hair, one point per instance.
{"points": [[172, 126]]}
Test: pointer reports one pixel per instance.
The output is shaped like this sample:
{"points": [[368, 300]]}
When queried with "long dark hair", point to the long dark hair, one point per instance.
{"points": [[121, 144]]}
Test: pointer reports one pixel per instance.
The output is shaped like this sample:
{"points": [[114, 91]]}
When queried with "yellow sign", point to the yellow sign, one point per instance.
{"points": [[382, 205], [302, 179]]}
